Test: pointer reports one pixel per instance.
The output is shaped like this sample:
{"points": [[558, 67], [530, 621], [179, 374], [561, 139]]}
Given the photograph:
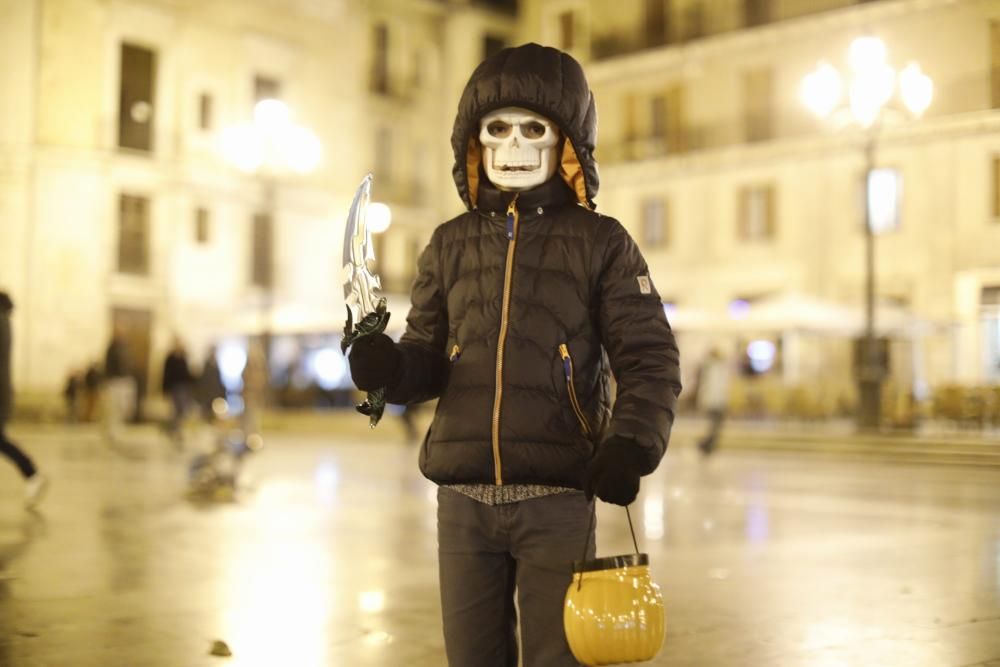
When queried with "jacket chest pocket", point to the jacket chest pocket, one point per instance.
{"points": [[567, 363]]}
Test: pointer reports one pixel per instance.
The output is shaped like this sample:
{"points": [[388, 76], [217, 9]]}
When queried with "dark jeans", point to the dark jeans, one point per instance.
{"points": [[486, 555], [17, 457], [709, 443]]}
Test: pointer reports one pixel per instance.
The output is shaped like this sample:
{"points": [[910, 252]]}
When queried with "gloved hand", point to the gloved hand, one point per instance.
{"points": [[613, 474], [375, 362]]}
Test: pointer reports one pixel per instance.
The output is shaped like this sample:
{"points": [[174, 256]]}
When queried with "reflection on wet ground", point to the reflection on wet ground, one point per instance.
{"points": [[329, 559]]}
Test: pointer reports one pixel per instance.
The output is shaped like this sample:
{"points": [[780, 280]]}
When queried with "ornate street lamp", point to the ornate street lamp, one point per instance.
{"points": [[872, 87], [269, 148]]}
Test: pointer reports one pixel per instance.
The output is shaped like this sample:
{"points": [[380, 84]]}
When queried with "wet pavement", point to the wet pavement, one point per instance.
{"points": [[328, 558]]}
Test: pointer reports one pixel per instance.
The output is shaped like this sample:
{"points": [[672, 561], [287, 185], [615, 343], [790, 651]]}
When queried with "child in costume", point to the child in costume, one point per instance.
{"points": [[521, 307]]}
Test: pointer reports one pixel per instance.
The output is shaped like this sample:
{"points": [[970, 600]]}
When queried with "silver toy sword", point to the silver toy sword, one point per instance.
{"points": [[364, 306]]}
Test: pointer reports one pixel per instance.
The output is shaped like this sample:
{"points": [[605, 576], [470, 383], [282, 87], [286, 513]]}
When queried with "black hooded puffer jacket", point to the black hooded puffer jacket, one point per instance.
{"points": [[522, 305]]}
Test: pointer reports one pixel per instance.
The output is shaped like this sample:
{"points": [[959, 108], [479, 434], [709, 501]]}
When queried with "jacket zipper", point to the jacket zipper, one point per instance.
{"points": [[568, 370], [512, 224]]}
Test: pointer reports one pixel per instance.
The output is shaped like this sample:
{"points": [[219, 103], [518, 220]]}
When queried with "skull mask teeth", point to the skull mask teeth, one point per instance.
{"points": [[519, 148]]}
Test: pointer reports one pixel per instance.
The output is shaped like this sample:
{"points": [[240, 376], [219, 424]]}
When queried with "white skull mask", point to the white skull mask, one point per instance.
{"points": [[519, 148]]}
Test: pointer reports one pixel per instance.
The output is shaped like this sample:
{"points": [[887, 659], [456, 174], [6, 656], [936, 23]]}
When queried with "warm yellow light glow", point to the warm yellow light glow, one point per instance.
{"points": [[866, 53], [371, 602], [303, 150], [242, 148], [916, 89], [870, 90], [822, 89], [652, 516], [379, 217], [884, 195], [273, 142], [271, 116]]}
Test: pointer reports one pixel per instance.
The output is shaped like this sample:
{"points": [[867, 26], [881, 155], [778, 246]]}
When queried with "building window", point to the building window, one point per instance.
{"points": [[672, 114], [995, 64], [989, 311], [756, 12], [657, 24], [380, 62], [758, 95], [201, 225], [995, 192], [205, 112], [885, 196], [756, 213], [654, 224], [492, 44], [694, 21], [261, 268], [266, 88], [631, 116], [658, 116], [135, 98], [566, 30], [133, 234], [383, 154]]}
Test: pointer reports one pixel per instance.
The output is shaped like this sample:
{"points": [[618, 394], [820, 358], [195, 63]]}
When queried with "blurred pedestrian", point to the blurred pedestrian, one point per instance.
{"points": [[71, 394], [91, 391], [35, 482], [210, 385], [119, 385], [178, 386], [713, 397], [256, 379]]}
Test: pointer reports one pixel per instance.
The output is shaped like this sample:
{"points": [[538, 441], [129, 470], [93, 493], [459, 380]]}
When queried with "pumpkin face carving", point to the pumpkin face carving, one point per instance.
{"points": [[613, 611]]}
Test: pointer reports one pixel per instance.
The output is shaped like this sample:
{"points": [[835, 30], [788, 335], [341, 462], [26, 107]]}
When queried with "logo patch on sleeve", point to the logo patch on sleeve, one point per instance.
{"points": [[644, 285]]}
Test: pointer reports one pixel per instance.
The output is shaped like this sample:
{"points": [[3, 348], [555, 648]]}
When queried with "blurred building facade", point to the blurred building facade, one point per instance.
{"points": [[119, 205], [736, 193]]}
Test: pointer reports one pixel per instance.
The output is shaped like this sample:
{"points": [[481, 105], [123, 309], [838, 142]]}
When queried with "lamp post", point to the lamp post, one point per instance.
{"points": [[269, 148], [872, 88]]}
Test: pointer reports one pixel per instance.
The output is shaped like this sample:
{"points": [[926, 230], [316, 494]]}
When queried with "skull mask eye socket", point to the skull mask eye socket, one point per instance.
{"points": [[499, 129], [533, 130]]}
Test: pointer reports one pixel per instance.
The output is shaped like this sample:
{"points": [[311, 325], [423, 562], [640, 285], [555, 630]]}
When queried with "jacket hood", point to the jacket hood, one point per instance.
{"points": [[544, 80]]}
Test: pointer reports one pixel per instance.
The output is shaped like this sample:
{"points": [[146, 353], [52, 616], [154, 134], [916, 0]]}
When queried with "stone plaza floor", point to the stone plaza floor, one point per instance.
{"points": [[328, 557]]}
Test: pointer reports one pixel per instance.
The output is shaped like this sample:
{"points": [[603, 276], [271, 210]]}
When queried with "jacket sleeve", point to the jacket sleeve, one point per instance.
{"points": [[640, 345], [424, 365]]}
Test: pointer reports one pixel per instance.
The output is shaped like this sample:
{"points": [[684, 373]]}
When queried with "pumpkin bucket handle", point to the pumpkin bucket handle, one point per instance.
{"points": [[590, 531]]}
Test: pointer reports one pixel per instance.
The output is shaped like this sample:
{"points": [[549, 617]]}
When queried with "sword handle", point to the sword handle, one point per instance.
{"points": [[371, 324], [373, 406]]}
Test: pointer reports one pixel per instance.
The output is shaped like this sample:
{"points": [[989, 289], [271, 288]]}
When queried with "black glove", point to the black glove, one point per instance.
{"points": [[613, 474], [376, 362]]}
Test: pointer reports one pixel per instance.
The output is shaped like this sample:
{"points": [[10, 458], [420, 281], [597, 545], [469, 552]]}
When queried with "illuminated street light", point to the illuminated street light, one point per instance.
{"points": [[871, 85], [379, 217], [822, 89], [268, 148]]}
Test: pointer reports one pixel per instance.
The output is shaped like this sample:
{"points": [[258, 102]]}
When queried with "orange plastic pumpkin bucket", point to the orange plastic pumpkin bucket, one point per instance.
{"points": [[614, 611]]}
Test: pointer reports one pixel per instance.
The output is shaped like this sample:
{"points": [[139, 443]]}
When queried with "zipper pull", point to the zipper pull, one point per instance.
{"points": [[456, 352], [511, 217], [567, 362]]}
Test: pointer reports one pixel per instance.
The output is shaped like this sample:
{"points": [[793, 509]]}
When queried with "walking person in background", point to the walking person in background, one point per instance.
{"points": [[210, 385], [71, 394], [35, 482], [119, 386], [178, 386], [713, 396], [255, 383], [91, 390]]}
